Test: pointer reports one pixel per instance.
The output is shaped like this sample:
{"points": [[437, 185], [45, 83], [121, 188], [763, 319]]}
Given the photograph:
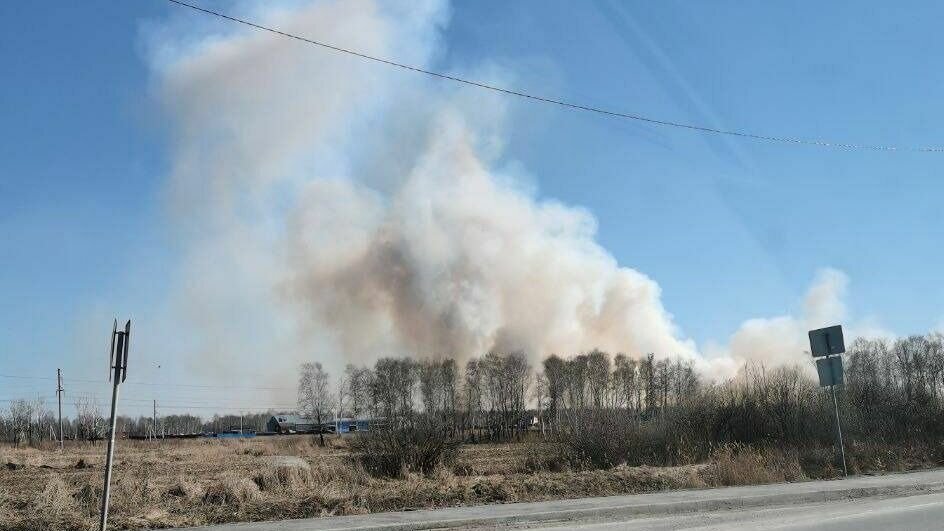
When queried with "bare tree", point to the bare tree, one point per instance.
{"points": [[473, 393], [21, 413], [555, 372], [314, 397], [598, 377], [648, 380], [393, 386], [89, 419], [519, 381], [343, 394], [430, 385], [358, 387], [449, 379], [626, 386]]}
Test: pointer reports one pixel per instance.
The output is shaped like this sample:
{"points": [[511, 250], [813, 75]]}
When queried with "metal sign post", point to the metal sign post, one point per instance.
{"points": [[827, 345], [118, 362]]}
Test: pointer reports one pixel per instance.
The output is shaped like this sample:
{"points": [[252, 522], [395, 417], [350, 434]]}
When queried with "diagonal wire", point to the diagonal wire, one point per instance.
{"points": [[568, 104]]}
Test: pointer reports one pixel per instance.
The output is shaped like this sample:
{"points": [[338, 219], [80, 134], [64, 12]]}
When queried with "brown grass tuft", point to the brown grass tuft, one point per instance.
{"points": [[232, 490], [283, 478], [743, 465], [186, 489], [56, 498]]}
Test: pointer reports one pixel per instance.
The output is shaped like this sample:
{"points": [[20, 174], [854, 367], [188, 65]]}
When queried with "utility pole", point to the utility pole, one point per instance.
{"points": [[118, 362], [154, 420], [59, 396]]}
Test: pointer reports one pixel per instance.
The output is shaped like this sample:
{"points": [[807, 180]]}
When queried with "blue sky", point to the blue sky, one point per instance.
{"points": [[729, 228]]}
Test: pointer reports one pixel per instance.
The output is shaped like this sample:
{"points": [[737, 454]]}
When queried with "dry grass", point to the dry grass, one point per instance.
{"points": [[743, 465], [198, 482]]}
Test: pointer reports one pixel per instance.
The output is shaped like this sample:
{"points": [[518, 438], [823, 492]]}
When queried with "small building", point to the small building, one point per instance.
{"points": [[235, 433], [351, 425], [291, 424]]}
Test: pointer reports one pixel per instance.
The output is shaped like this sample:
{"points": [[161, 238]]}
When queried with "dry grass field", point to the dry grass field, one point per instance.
{"points": [[193, 482]]}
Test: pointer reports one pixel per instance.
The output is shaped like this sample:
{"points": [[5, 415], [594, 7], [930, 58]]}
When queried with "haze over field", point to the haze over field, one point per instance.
{"points": [[339, 206]]}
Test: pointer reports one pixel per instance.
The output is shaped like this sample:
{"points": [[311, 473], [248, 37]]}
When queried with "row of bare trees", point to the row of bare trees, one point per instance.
{"points": [[489, 398], [497, 396], [894, 390], [597, 381], [31, 422], [893, 396]]}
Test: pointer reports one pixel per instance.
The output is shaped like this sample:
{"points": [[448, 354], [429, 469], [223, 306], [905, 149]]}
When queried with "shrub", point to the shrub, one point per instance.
{"points": [[734, 464], [418, 445], [604, 439]]}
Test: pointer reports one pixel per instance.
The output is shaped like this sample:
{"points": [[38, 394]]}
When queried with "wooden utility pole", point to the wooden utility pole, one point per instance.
{"points": [[59, 396], [154, 421]]}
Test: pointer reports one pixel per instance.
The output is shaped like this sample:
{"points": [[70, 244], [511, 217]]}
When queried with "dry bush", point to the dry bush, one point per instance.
{"points": [[820, 462], [544, 458], [420, 446], [603, 439], [734, 464], [231, 490]]}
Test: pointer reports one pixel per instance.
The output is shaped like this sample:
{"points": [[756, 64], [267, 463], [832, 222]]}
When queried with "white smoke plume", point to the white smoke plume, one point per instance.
{"points": [[783, 340], [339, 208]]}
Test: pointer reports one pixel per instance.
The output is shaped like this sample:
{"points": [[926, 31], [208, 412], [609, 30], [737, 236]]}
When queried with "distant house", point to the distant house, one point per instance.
{"points": [[351, 425], [235, 433], [291, 424]]}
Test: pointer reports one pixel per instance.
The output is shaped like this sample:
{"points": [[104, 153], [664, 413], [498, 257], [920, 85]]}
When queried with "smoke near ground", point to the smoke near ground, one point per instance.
{"points": [[336, 208]]}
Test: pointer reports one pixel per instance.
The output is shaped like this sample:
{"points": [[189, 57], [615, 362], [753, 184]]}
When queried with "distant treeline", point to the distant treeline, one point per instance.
{"points": [[32, 422], [893, 394], [894, 390]]}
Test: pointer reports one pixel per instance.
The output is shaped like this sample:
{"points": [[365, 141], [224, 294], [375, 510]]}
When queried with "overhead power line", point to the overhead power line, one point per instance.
{"points": [[142, 403], [564, 103], [153, 384]]}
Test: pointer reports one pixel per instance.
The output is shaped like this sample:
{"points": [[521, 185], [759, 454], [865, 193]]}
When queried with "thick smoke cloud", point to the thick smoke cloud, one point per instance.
{"points": [[338, 208], [782, 340]]}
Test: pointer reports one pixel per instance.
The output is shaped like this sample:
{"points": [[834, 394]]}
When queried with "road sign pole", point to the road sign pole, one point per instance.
{"points": [[111, 451], [842, 449], [827, 344], [119, 362]]}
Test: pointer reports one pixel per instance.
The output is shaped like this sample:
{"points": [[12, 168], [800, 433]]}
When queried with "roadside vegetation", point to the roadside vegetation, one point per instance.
{"points": [[500, 431]]}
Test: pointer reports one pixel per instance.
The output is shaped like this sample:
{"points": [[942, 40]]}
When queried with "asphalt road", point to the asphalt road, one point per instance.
{"points": [[895, 501], [911, 513]]}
